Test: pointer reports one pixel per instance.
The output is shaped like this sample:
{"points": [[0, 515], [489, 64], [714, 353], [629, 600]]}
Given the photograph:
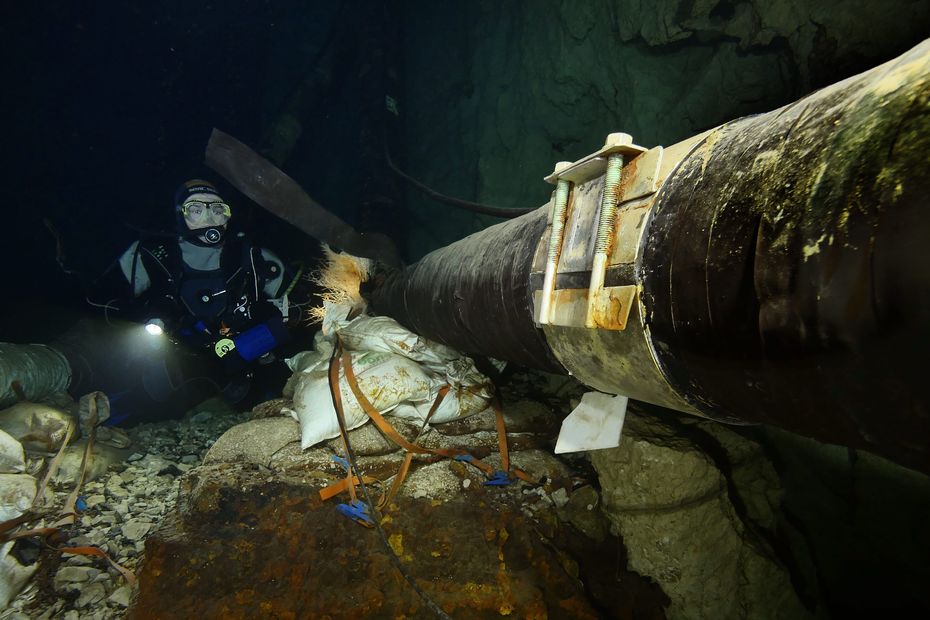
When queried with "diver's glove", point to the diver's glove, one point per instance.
{"points": [[252, 344]]}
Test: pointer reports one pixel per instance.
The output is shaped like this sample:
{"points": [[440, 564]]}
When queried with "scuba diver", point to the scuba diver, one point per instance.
{"points": [[210, 291]]}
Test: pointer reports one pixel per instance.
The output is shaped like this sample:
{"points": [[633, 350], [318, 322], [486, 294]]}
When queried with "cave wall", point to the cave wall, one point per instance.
{"points": [[496, 93]]}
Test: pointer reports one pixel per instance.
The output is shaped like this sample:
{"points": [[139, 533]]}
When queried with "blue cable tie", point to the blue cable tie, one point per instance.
{"points": [[357, 511], [341, 461], [498, 479], [465, 458]]}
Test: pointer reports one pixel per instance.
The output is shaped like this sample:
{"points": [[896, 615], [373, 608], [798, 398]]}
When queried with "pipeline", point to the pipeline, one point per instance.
{"points": [[40, 370], [773, 270], [145, 377]]}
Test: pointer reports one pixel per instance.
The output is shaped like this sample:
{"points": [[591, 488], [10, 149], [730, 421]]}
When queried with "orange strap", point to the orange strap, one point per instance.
{"points": [[8, 525], [48, 532], [337, 405], [502, 444], [336, 488], [398, 480], [408, 458], [39, 499], [412, 448], [373, 413], [44, 532], [440, 395], [388, 430], [501, 434]]}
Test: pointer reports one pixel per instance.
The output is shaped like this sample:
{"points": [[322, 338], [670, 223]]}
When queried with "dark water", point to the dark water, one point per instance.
{"points": [[107, 108]]}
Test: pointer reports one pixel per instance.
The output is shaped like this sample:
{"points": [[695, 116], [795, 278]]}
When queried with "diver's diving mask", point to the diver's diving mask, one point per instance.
{"points": [[205, 221], [197, 210]]}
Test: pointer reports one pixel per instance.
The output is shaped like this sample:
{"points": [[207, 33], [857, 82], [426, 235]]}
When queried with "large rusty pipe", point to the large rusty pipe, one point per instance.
{"points": [[781, 273]]}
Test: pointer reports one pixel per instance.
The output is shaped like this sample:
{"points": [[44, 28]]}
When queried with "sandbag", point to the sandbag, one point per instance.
{"points": [[12, 455], [386, 380], [38, 427], [400, 372], [17, 492], [381, 333]]}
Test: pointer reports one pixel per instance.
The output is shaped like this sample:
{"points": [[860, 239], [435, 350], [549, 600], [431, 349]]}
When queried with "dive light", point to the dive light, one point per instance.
{"points": [[155, 327]]}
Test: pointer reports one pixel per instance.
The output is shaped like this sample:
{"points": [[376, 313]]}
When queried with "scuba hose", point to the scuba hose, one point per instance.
{"points": [[298, 272], [473, 207]]}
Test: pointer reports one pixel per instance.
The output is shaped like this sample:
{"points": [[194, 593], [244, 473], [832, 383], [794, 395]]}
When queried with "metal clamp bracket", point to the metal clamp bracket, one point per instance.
{"points": [[595, 164], [597, 306]]}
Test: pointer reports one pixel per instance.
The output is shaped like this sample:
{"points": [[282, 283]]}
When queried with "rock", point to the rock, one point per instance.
{"points": [[435, 481], [93, 500], [201, 417], [560, 497], [524, 416], [753, 475], [367, 440], [255, 441], [153, 463], [135, 530], [315, 461], [476, 559], [669, 502], [68, 575], [540, 464], [105, 519], [121, 596], [170, 470], [210, 409], [582, 509], [90, 594], [117, 492], [271, 408], [861, 518]]}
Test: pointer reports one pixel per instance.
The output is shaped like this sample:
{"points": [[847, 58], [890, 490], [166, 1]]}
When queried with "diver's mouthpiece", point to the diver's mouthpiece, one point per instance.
{"points": [[212, 235]]}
